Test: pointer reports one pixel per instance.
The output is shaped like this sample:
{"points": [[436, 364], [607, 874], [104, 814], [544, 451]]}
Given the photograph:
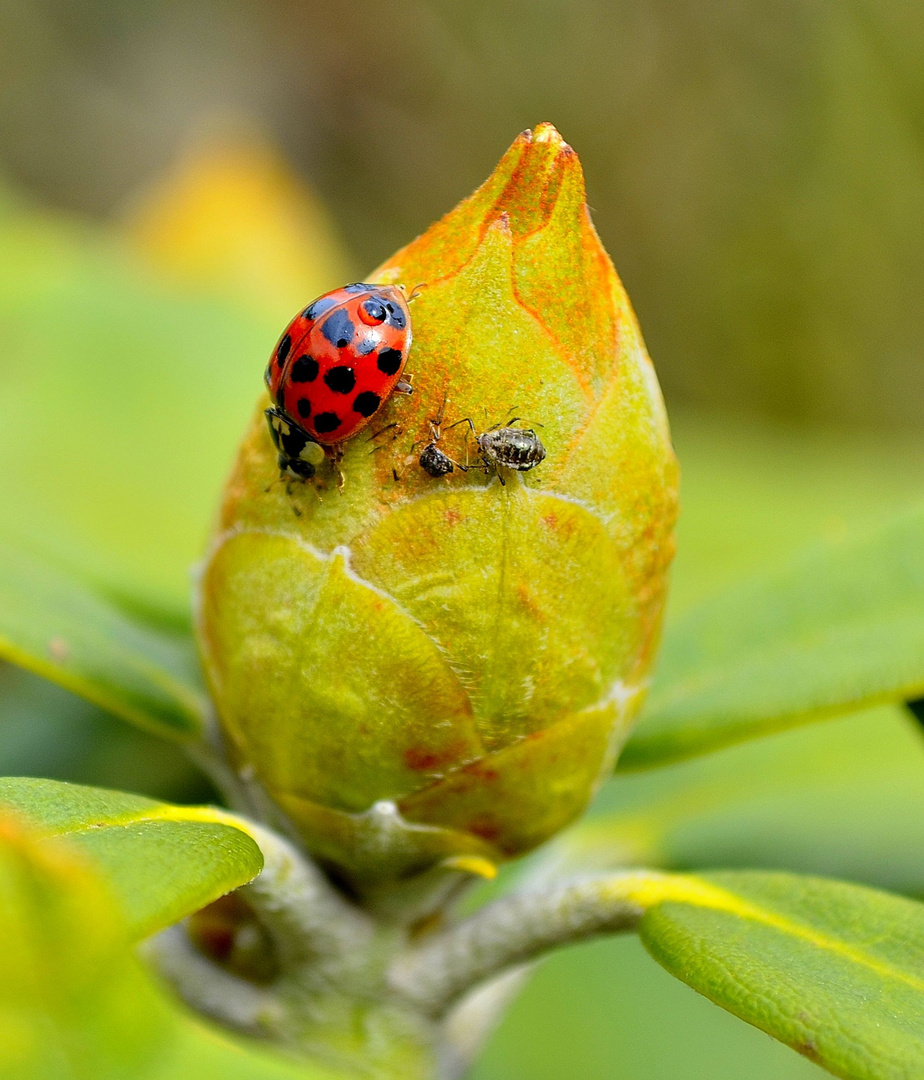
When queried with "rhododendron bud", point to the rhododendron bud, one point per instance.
{"points": [[421, 669]]}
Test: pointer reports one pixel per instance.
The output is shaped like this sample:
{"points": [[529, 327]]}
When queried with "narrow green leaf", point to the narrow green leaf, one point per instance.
{"points": [[844, 799], [840, 628], [61, 628], [836, 971], [161, 861], [73, 1002]]}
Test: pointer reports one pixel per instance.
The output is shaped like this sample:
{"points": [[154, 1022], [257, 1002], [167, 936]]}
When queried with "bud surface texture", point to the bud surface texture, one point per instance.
{"points": [[420, 669]]}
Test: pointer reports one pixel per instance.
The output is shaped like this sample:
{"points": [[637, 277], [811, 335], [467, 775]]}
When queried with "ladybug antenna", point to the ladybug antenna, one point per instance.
{"points": [[415, 292]]}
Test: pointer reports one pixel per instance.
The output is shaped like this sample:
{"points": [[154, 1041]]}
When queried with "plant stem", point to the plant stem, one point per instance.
{"points": [[512, 930], [206, 988], [310, 921]]}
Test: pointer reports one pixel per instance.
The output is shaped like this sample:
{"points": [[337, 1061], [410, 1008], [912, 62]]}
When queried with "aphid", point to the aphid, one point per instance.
{"points": [[519, 449], [333, 369], [432, 460], [435, 462]]}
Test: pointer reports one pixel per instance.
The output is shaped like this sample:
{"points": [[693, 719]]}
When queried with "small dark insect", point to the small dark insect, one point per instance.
{"points": [[519, 449], [432, 460]]}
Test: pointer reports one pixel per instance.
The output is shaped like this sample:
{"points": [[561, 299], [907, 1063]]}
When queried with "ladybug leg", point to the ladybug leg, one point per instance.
{"points": [[396, 432], [399, 473], [335, 456], [295, 509], [402, 387], [381, 431]]}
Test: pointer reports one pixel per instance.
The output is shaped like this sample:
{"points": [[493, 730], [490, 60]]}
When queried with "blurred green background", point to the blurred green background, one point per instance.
{"points": [[177, 178]]}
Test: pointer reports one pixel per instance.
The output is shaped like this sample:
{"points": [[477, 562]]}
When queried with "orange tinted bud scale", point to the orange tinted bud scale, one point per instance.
{"points": [[444, 662]]}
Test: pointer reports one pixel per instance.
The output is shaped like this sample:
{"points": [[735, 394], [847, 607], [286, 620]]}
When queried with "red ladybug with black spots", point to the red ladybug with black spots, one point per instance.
{"points": [[333, 369]]}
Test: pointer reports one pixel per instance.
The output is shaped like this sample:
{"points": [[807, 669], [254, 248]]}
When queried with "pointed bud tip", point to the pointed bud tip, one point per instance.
{"points": [[548, 133]]}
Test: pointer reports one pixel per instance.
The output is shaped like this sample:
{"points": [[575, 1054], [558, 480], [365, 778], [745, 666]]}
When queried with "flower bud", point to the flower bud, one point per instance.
{"points": [[424, 669]]}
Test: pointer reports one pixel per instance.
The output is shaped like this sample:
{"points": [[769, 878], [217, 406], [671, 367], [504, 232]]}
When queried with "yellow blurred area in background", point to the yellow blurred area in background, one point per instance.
{"points": [[233, 217], [171, 318]]}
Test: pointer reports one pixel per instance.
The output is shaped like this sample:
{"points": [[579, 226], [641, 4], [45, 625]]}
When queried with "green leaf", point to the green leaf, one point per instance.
{"points": [[74, 1005], [122, 460], [844, 799], [836, 971], [161, 861], [63, 629], [840, 628]]}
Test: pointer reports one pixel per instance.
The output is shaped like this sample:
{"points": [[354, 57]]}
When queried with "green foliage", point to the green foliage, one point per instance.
{"points": [[130, 450], [835, 631], [833, 970], [70, 632], [605, 1011], [161, 862], [73, 1002], [844, 798], [839, 629]]}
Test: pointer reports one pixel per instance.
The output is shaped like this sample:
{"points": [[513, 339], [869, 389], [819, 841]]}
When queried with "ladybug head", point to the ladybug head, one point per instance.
{"points": [[385, 304]]}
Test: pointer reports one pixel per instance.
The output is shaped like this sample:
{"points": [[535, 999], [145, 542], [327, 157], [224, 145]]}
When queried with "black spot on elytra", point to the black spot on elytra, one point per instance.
{"points": [[338, 328], [326, 422], [282, 349], [374, 310], [389, 361], [305, 369], [396, 316], [366, 403], [318, 307], [304, 408], [340, 379]]}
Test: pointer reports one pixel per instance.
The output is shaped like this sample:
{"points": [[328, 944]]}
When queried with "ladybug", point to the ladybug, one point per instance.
{"points": [[332, 370]]}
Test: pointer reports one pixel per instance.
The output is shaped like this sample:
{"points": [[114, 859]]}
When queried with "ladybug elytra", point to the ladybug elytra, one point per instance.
{"points": [[333, 368]]}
